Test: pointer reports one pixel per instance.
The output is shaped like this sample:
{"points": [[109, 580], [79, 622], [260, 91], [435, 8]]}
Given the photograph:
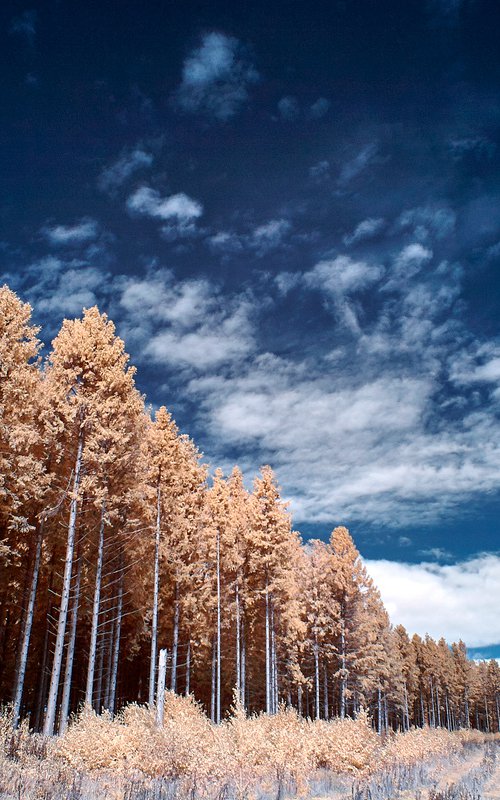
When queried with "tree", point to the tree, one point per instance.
{"points": [[87, 376]]}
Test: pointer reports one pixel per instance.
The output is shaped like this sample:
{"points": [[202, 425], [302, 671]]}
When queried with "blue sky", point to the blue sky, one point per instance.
{"points": [[291, 213]]}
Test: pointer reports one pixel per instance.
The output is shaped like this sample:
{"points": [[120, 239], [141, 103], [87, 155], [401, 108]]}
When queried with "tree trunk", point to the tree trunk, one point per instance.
{"points": [[175, 641], [268, 660], [100, 671], [343, 679], [316, 678], [42, 688], [154, 623], [379, 711], [243, 664], [214, 681], [299, 699], [96, 607], [116, 642], [50, 716], [160, 698], [238, 642], [325, 691], [217, 716], [23, 657], [68, 672], [188, 667]]}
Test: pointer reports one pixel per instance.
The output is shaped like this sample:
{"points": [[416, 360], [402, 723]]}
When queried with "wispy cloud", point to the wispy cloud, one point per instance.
{"points": [[25, 25], [366, 229], [179, 211], [356, 165], [185, 324], [216, 77], [457, 601], [86, 230], [288, 108], [116, 174], [260, 240]]}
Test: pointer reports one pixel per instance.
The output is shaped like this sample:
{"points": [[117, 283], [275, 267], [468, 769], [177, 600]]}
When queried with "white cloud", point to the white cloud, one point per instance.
{"points": [[352, 168], [288, 108], [216, 77], [320, 172], [178, 207], [128, 164], [426, 220], [268, 236], [365, 230], [185, 324], [410, 260], [261, 240], [319, 108], [83, 231], [337, 280], [74, 290], [25, 25], [457, 601]]}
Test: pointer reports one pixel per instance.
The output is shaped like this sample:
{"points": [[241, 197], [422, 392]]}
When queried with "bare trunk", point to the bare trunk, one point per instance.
{"points": [[214, 681], [154, 623], [299, 699], [68, 672], [379, 711], [100, 672], [23, 657], [160, 698], [50, 716], [325, 691], [217, 716], [316, 679], [42, 688], [188, 667], [343, 670], [175, 641], [407, 712], [268, 660], [243, 664], [116, 643], [96, 607], [238, 642]]}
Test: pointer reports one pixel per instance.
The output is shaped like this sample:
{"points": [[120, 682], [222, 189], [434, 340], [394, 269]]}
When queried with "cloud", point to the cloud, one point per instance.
{"points": [[342, 275], [185, 324], [216, 77], [319, 108], [320, 172], [261, 240], [369, 417], [25, 26], [178, 208], [74, 290], [411, 259], [114, 176], [81, 232], [355, 166], [365, 230], [289, 108], [480, 147], [457, 601], [435, 220]]}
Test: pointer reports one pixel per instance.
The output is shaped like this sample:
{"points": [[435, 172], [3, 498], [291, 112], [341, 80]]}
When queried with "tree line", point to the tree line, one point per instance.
{"points": [[115, 544]]}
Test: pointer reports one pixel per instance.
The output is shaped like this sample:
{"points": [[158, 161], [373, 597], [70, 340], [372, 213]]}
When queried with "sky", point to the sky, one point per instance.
{"points": [[291, 213]]}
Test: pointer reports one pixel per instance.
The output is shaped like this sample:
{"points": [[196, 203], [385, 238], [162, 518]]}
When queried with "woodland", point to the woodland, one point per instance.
{"points": [[117, 544]]}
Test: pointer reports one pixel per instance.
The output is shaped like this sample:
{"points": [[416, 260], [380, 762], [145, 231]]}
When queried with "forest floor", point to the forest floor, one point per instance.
{"points": [[474, 774]]}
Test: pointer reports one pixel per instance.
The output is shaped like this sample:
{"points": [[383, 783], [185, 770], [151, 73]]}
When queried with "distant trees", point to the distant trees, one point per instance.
{"points": [[114, 545]]}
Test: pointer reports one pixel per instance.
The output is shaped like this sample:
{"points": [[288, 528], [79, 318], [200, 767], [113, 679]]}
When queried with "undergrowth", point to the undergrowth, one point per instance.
{"points": [[245, 758]]}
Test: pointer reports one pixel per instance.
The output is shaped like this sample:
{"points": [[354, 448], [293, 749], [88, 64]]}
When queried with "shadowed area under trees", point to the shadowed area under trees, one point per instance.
{"points": [[115, 544]]}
